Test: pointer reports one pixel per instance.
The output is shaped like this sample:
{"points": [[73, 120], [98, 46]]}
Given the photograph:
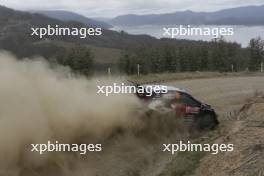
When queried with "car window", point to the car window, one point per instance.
{"points": [[189, 100]]}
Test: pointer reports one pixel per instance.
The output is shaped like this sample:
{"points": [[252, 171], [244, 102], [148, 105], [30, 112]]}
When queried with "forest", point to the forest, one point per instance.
{"points": [[217, 55]]}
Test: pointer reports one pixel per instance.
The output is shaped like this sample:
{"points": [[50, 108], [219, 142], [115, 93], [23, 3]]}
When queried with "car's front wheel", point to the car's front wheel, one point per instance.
{"points": [[207, 121]]}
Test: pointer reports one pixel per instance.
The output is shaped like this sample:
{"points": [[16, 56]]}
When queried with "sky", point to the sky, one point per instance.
{"points": [[112, 8]]}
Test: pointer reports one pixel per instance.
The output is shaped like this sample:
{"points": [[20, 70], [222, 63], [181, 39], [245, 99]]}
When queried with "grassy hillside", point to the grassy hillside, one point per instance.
{"points": [[15, 33]]}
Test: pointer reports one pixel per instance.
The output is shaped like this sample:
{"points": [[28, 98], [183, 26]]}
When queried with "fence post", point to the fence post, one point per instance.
{"points": [[138, 69], [109, 71]]}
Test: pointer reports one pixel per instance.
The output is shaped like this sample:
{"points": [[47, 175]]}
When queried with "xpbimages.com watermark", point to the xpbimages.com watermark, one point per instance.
{"points": [[191, 147], [122, 88], [59, 147], [56, 30], [188, 30]]}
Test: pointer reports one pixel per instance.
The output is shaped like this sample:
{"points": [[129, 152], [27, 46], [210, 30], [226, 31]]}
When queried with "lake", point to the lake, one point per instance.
{"points": [[242, 34]]}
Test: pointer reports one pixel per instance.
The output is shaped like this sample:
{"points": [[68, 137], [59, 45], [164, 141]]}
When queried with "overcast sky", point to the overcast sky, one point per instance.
{"points": [[110, 8]]}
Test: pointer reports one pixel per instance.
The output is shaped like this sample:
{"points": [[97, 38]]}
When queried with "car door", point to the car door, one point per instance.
{"points": [[191, 106]]}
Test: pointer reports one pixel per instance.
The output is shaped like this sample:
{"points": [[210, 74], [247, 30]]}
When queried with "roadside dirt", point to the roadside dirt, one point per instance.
{"points": [[246, 132]]}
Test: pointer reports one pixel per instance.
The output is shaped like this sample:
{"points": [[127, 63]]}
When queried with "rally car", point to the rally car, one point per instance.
{"points": [[184, 105]]}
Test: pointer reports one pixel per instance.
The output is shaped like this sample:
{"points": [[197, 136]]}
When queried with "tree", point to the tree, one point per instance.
{"points": [[79, 59], [256, 52], [170, 59]]}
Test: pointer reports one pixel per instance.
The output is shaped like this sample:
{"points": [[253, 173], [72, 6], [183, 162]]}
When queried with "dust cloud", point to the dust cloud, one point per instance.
{"points": [[39, 103]]}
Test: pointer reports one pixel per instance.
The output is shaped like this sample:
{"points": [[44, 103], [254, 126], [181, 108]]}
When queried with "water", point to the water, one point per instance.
{"points": [[242, 34]]}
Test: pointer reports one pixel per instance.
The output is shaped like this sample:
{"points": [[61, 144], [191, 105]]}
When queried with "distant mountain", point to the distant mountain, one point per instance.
{"points": [[71, 16], [249, 15], [103, 19], [15, 35]]}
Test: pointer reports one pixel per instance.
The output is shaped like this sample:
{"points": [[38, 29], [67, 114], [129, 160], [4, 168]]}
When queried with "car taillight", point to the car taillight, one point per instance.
{"points": [[192, 110]]}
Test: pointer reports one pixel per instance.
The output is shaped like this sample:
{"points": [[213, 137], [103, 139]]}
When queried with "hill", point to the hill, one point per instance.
{"points": [[249, 15], [15, 35], [71, 16]]}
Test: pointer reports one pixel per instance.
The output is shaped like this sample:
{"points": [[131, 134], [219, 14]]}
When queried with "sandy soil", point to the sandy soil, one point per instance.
{"points": [[246, 132]]}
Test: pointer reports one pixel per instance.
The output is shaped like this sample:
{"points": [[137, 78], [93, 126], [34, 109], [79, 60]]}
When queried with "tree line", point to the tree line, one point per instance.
{"points": [[160, 57], [79, 58], [217, 55]]}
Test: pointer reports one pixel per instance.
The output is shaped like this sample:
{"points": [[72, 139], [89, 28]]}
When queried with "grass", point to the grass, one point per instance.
{"points": [[163, 77]]}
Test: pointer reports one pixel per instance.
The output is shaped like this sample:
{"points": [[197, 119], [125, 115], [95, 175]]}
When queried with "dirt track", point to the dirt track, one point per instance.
{"points": [[128, 149], [224, 94]]}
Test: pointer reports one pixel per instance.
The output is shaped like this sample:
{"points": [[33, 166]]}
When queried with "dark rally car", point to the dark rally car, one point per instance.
{"points": [[184, 105]]}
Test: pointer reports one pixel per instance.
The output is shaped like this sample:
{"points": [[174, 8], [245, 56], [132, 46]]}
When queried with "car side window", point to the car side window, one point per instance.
{"points": [[188, 100]]}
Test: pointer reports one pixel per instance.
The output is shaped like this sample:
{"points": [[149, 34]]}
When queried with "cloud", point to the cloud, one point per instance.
{"points": [[118, 7]]}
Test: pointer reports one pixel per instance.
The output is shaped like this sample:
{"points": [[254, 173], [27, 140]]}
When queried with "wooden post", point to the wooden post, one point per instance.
{"points": [[109, 71], [138, 69]]}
